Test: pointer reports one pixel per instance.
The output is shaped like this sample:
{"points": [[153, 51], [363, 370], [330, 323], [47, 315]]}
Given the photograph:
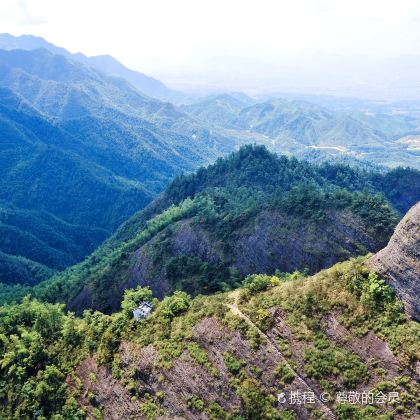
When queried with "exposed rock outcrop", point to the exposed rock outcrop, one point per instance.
{"points": [[399, 262], [267, 242]]}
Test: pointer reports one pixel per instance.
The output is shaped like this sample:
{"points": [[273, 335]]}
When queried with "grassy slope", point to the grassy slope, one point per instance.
{"points": [[219, 356]]}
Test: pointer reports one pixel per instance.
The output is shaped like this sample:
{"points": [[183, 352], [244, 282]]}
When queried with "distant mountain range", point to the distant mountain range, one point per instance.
{"points": [[82, 150], [298, 126], [105, 63]]}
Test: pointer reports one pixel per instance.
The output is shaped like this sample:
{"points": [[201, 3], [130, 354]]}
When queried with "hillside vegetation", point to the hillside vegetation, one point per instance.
{"points": [[83, 150], [224, 356], [251, 212]]}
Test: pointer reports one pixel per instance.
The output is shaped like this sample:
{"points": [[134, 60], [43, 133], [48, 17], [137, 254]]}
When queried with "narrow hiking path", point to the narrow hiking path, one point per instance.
{"points": [[273, 345]]}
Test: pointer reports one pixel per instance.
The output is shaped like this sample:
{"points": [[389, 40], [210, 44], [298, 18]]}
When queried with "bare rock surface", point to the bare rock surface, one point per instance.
{"points": [[399, 262], [100, 389]]}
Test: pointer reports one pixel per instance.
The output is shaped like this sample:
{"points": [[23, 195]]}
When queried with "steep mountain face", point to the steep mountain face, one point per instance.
{"points": [[298, 126], [252, 212], [249, 347], [399, 261], [104, 63], [85, 151]]}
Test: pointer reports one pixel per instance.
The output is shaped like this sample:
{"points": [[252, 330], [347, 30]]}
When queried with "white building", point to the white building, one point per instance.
{"points": [[143, 311]]}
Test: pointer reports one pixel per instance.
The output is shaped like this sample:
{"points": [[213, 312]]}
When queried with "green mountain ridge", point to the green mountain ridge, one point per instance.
{"points": [[250, 212], [297, 125]]}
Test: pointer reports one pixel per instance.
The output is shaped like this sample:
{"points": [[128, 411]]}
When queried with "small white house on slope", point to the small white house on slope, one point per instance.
{"points": [[143, 311]]}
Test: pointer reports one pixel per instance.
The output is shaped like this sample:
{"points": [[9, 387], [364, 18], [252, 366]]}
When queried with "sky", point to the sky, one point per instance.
{"points": [[179, 40]]}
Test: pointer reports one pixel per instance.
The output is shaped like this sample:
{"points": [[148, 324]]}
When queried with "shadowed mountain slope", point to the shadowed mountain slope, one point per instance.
{"points": [[86, 149]]}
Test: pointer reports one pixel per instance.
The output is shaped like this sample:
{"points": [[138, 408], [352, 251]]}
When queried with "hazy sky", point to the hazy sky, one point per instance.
{"points": [[164, 36]]}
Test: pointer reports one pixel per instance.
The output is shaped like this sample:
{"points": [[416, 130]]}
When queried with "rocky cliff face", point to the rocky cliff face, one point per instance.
{"points": [[399, 261], [265, 243], [268, 241]]}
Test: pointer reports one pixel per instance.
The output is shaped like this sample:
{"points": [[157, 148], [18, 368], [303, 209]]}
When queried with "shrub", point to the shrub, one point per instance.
{"points": [[174, 305], [200, 356], [233, 365], [195, 402], [216, 412], [260, 282], [353, 412], [150, 409], [256, 405], [333, 361], [284, 373]]}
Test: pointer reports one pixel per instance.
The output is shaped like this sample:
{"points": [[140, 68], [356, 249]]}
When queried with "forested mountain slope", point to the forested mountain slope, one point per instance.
{"points": [[248, 213], [84, 150]]}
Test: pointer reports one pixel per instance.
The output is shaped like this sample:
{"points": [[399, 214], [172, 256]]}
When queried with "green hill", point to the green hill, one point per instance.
{"points": [[248, 213], [83, 149]]}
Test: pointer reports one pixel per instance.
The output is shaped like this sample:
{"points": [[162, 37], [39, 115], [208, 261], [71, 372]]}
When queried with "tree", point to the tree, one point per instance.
{"points": [[174, 305]]}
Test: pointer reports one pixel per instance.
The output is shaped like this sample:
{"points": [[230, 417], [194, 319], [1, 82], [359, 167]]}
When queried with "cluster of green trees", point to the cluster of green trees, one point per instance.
{"points": [[41, 345], [37, 351], [255, 167]]}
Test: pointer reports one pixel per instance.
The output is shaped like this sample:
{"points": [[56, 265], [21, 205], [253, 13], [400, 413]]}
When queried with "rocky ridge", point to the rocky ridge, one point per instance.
{"points": [[399, 262]]}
